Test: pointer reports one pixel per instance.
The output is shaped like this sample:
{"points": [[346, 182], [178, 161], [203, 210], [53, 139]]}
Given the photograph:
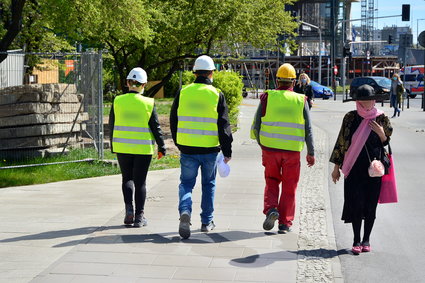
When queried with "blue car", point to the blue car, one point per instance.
{"points": [[320, 91]]}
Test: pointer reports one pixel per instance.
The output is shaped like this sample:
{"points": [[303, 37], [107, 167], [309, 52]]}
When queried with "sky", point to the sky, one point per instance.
{"points": [[393, 7]]}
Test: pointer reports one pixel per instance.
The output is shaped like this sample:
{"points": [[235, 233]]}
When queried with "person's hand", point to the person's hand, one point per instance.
{"points": [[160, 155], [378, 129], [227, 159], [310, 160], [336, 174]]}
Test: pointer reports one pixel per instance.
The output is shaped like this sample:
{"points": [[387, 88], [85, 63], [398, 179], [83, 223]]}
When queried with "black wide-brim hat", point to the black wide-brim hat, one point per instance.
{"points": [[366, 92]]}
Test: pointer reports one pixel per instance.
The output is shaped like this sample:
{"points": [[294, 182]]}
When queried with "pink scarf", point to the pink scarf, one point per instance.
{"points": [[359, 137]]}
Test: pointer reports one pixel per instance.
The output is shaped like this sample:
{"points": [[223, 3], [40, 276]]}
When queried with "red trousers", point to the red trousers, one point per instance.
{"points": [[281, 167]]}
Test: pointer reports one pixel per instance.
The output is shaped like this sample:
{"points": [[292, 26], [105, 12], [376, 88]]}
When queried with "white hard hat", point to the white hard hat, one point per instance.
{"points": [[138, 74], [204, 63]]}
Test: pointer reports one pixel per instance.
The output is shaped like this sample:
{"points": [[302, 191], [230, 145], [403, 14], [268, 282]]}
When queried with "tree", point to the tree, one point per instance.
{"points": [[207, 25], [158, 34], [11, 21]]}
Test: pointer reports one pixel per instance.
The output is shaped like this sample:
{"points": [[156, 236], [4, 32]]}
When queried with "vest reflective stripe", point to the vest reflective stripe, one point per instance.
{"points": [[197, 116], [132, 129], [283, 126], [131, 133], [197, 119], [282, 136], [132, 141], [198, 132]]}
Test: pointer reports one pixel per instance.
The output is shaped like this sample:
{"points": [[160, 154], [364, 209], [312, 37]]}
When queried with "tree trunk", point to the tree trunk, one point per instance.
{"points": [[13, 28], [153, 90]]}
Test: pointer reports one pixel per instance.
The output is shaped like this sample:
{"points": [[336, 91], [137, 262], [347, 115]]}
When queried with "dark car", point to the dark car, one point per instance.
{"points": [[320, 91], [382, 85]]}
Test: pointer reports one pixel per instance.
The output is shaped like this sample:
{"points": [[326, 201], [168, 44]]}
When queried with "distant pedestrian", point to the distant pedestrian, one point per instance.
{"points": [[134, 129], [363, 135], [200, 128], [281, 126], [303, 87], [396, 94]]}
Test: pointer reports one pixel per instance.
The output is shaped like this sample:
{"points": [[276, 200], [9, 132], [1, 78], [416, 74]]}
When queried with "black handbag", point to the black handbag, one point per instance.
{"points": [[386, 159]]}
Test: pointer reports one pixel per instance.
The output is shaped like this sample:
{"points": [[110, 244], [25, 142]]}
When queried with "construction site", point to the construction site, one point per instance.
{"points": [[325, 37]]}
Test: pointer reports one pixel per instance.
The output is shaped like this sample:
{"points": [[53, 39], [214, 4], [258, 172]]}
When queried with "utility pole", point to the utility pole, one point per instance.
{"points": [[320, 48]]}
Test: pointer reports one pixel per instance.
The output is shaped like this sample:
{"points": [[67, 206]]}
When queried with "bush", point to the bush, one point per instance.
{"points": [[172, 86], [230, 84]]}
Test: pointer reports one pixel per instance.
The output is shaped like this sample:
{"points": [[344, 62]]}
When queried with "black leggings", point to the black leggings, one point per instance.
{"points": [[134, 168], [357, 225]]}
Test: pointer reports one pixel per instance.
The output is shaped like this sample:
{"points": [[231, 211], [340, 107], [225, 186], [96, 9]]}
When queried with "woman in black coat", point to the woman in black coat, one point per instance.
{"points": [[303, 87], [364, 133]]}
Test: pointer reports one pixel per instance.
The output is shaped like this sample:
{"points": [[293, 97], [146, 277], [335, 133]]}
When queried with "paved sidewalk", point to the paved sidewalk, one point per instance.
{"points": [[72, 231]]}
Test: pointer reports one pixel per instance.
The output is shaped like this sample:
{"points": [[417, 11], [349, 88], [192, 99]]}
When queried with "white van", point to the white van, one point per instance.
{"points": [[413, 78]]}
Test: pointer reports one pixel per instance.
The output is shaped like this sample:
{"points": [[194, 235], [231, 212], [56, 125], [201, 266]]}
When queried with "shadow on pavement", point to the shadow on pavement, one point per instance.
{"points": [[59, 234], [261, 260], [197, 237]]}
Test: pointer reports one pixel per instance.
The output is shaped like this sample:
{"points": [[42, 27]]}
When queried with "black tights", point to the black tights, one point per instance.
{"points": [[357, 225], [134, 168]]}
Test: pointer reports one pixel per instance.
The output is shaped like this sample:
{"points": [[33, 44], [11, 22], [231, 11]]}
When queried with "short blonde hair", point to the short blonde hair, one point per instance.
{"points": [[303, 75]]}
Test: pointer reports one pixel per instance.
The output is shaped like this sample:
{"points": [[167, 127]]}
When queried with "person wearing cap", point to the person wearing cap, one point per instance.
{"points": [[134, 129], [281, 126], [363, 135], [200, 128]]}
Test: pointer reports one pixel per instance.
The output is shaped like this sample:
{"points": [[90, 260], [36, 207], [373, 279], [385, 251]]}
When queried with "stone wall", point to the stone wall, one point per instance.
{"points": [[40, 117]]}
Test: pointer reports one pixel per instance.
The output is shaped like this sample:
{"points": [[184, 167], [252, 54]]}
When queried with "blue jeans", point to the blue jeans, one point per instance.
{"points": [[394, 103], [189, 164]]}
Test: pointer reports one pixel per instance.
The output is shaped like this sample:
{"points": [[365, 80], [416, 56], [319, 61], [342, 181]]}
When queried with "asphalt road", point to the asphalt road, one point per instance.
{"points": [[397, 240]]}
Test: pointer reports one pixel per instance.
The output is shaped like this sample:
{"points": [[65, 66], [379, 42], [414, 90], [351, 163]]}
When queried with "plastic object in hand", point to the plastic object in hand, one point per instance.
{"points": [[223, 168]]}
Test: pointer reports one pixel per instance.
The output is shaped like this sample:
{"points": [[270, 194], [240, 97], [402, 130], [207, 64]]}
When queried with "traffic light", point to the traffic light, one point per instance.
{"points": [[346, 51], [405, 12], [390, 39]]}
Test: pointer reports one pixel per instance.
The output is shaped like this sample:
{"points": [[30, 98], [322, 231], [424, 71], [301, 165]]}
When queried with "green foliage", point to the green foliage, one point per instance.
{"points": [[70, 171], [230, 84], [173, 84]]}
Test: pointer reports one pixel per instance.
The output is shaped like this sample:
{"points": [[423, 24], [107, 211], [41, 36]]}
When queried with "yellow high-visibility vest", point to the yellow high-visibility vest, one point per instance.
{"points": [[283, 126], [131, 129], [197, 116]]}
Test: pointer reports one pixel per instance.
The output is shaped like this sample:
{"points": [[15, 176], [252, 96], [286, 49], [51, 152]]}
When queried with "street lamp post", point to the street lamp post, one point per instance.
{"points": [[320, 48]]}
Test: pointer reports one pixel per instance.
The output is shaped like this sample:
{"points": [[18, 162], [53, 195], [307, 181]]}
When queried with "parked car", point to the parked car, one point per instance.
{"points": [[321, 91], [382, 85]]}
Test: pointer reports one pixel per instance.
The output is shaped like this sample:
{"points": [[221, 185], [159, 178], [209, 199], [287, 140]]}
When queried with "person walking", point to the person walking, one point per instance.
{"points": [[396, 94], [281, 126], [200, 129], [303, 87], [134, 129], [364, 133]]}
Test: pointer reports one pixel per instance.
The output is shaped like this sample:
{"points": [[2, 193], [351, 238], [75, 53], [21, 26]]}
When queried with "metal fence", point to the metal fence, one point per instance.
{"points": [[50, 104]]}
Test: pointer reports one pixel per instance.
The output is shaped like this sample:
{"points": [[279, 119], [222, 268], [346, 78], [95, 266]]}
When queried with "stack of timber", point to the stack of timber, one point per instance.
{"points": [[38, 119]]}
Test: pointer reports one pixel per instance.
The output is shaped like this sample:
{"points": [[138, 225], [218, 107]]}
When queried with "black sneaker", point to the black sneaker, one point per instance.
{"points": [[184, 226], [208, 227], [129, 214], [283, 228], [140, 220], [272, 216]]}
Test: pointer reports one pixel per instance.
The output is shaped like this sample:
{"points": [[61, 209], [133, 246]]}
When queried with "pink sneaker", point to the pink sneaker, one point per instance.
{"points": [[366, 249], [356, 249]]}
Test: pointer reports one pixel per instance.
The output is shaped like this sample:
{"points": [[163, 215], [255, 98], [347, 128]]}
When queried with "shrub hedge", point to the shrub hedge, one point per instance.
{"points": [[230, 84]]}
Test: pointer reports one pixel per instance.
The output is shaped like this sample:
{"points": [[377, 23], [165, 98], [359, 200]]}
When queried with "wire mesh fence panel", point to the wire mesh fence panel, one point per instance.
{"points": [[50, 106]]}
